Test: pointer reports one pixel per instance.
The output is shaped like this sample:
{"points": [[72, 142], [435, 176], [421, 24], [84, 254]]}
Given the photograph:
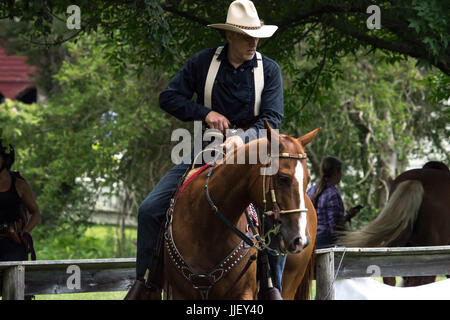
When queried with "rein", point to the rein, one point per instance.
{"points": [[204, 282], [261, 243]]}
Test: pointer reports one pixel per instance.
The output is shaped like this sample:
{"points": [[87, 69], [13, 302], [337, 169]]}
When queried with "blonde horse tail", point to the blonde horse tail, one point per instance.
{"points": [[395, 223], [304, 289]]}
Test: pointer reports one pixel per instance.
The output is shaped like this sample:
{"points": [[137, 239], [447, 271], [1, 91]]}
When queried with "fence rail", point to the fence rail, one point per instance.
{"points": [[333, 263], [21, 278]]}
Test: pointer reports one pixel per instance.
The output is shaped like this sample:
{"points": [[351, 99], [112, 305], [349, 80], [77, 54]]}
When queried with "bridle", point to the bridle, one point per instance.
{"points": [[262, 242], [203, 282], [276, 211]]}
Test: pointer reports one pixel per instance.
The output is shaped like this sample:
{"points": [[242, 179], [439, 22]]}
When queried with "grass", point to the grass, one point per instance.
{"points": [[118, 295]]}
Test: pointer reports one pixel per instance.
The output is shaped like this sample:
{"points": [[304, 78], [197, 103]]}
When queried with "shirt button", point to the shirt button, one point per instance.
{"points": [[234, 71], [242, 69]]}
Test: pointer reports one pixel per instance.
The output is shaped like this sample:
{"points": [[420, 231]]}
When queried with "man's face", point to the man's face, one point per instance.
{"points": [[242, 47]]}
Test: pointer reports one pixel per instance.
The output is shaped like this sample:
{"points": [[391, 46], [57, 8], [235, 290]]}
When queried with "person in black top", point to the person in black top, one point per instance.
{"points": [[14, 193]]}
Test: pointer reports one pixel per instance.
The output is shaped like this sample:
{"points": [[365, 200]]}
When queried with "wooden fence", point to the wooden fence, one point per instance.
{"points": [[333, 263], [21, 278]]}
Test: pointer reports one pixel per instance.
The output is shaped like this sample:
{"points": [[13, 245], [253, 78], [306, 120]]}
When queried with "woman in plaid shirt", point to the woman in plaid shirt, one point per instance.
{"points": [[328, 202]]}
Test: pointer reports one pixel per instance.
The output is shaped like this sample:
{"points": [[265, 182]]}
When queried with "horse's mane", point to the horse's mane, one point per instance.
{"points": [[251, 149]]}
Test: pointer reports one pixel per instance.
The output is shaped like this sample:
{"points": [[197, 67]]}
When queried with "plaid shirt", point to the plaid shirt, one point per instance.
{"points": [[329, 208]]}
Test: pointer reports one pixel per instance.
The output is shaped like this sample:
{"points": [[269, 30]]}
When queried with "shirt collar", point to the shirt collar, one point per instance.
{"points": [[250, 63]]}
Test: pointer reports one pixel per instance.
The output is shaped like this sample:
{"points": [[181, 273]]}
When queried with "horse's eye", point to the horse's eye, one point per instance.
{"points": [[285, 180]]}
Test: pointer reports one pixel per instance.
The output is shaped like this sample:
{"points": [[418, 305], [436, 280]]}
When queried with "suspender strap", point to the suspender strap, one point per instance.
{"points": [[258, 74], [212, 73]]}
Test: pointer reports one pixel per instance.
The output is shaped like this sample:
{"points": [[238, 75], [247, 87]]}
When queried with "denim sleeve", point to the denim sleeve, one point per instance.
{"points": [[176, 98], [271, 102]]}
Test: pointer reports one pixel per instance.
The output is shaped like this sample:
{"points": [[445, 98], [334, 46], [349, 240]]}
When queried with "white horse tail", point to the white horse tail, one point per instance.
{"points": [[395, 223]]}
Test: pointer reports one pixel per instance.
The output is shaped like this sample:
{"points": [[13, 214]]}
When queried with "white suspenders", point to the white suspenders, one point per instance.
{"points": [[258, 74]]}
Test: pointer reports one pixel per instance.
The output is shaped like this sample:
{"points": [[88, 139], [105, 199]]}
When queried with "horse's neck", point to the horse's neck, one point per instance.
{"points": [[231, 183], [229, 187]]}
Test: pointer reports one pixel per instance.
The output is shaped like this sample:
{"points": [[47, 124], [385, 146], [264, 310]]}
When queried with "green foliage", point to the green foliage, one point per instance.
{"points": [[101, 126], [164, 33], [373, 118], [102, 130], [96, 242]]}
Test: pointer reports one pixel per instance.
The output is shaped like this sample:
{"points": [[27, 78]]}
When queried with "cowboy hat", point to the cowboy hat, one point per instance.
{"points": [[243, 18]]}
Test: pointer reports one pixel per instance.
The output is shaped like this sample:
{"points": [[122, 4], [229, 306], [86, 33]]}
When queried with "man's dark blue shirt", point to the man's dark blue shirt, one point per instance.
{"points": [[233, 93]]}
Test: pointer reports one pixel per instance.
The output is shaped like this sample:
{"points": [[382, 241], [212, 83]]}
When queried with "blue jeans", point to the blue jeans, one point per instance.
{"points": [[276, 267], [151, 215]]}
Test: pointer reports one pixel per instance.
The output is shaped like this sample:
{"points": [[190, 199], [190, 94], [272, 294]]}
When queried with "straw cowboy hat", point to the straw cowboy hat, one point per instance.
{"points": [[242, 17]]}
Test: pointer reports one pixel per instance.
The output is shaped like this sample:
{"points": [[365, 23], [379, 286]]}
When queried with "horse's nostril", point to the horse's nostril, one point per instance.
{"points": [[295, 244]]}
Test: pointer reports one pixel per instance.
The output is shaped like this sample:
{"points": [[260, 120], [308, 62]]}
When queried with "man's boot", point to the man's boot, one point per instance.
{"points": [[267, 290], [139, 291]]}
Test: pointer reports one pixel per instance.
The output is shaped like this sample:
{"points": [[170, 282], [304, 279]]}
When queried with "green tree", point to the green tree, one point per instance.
{"points": [[374, 118], [374, 107], [101, 130]]}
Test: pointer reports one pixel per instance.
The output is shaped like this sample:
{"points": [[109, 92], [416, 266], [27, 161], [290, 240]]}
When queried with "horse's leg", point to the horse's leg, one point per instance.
{"points": [[389, 281], [304, 289], [417, 281], [247, 294], [297, 270]]}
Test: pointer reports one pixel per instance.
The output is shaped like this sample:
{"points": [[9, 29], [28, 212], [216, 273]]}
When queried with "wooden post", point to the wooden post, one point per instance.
{"points": [[325, 276], [14, 283]]}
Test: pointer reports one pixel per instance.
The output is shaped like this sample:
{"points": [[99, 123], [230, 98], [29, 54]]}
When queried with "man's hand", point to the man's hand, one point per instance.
{"points": [[352, 212], [217, 121]]}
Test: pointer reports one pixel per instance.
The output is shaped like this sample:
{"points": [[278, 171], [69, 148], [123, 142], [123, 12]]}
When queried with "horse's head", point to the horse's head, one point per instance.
{"points": [[285, 191]]}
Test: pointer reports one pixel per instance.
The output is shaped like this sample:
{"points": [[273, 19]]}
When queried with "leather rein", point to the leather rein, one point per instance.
{"points": [[204, 282]]}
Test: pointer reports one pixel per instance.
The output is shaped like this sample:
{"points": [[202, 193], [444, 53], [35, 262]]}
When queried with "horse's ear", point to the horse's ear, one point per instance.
{"points": [[307, 138], [270, 132]]}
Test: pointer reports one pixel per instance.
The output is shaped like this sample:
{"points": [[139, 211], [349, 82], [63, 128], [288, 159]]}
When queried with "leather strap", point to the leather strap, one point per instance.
{"points": [[203, 282]]}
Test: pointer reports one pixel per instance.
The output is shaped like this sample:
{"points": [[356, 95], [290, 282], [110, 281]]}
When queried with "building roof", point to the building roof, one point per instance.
{"points": [[14, 75]]}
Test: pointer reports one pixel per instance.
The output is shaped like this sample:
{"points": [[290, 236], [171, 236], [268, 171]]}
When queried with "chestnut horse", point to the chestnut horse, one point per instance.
{"points": [[416, 214], [204, 258]]}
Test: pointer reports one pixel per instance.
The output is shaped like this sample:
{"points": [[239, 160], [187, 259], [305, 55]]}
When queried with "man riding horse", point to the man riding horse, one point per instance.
{"points": [[236, 88]]}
